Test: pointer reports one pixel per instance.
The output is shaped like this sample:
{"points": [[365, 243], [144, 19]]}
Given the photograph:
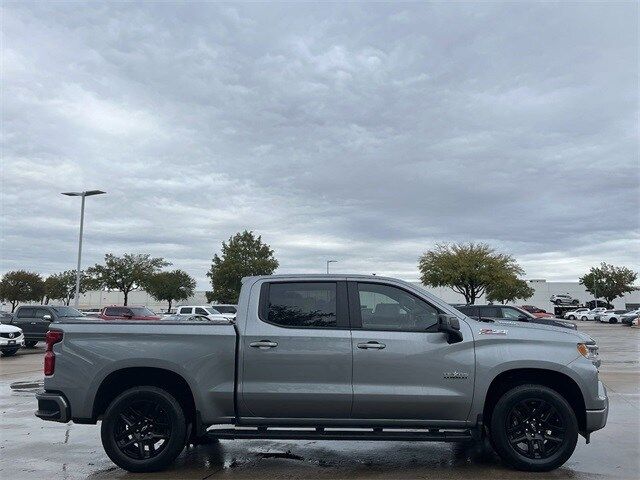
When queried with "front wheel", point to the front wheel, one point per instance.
{"points": [[572, 317], [144, 429], [613, 320], [584, 319], [9, 353], [534, 428]]}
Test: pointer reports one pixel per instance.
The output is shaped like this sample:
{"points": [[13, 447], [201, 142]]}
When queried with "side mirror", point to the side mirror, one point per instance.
{"points": [[450, 325], [46, 317]]}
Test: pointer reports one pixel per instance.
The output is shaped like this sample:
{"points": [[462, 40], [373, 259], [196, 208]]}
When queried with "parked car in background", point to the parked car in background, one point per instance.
{"points": [[177, 318], [91, 312], [11, 339], [564, 299], [591, 314], [627, 318], [537, 312], [610, 316], [34, 320], [598, 303], [226, 309], [127, 313], [348, 357], [508, 312], [575, 314], [205, 310]]}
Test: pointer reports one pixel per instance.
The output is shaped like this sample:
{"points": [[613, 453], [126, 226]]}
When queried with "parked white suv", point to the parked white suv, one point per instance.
{"points": [[576, 314], [204, 310], [11, 339], [564, 299]]}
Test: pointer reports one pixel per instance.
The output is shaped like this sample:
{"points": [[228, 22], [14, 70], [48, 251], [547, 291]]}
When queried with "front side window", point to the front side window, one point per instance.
{"points": [[41, 312], [226, 308], [115, 311], [140, 312], [200, 311], [383, 307], [302, 304], [67, 312]]}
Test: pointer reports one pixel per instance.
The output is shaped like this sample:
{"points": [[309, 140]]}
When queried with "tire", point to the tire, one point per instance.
{"points": [[144, 414], [613, 320], [538, 451], [584, 319], [31, 343], [9, 353], [572, 317]]}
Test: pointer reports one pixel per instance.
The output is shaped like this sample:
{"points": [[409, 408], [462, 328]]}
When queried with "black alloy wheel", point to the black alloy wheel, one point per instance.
{"points": [[535, 429], [142, 430]]}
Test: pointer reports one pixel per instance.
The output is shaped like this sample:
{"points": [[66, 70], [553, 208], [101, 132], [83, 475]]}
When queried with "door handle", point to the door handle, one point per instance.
{"points": [[263, 344], [33, 323], [372, 344]]}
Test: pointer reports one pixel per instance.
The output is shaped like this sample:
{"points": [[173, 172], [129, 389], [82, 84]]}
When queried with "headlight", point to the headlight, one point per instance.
{"points": [[590, 352]]}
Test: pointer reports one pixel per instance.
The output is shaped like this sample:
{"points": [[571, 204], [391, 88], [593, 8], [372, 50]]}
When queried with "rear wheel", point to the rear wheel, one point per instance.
{"points": [[144, 429], [572, 317], [9, 353], [613, 320], [534, 428], [583, 318]]}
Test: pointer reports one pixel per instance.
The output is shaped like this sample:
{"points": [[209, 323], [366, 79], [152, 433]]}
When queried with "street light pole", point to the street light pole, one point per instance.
{"points": [[84, 194], [330, 261]]}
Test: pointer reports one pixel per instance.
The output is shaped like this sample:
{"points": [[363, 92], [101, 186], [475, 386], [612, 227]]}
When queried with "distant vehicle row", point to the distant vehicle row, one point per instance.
{"points": [[604, 315]]}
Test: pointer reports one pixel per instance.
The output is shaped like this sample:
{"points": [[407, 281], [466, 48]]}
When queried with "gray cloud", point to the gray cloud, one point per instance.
{"points": [[364, 133]]}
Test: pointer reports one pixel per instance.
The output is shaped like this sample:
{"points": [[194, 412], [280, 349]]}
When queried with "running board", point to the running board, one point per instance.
{"points": [[430, 435]]}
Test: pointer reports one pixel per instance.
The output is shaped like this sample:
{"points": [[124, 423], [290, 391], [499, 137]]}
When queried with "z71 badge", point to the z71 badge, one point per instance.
{"points": [[492, 331]]}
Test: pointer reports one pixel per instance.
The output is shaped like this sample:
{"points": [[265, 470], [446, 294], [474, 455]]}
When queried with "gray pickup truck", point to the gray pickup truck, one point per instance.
{"points": [[326, 357]]}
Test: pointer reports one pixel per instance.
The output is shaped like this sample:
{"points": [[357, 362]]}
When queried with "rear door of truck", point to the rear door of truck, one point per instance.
{"points": [[297, 356]]}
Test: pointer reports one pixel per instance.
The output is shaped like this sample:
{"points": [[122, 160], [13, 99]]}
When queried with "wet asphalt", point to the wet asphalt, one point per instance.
{"points": [[33, 449]]}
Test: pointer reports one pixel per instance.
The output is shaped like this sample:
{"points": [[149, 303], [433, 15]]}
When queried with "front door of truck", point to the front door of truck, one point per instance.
{"points": [[297, 353], [403, 368]]}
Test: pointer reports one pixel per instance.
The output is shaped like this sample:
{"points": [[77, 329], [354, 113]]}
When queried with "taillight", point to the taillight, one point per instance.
{"points": [[53, 337]]}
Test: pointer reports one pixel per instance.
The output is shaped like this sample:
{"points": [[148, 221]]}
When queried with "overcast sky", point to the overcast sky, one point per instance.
{"points": [[363, 134]]}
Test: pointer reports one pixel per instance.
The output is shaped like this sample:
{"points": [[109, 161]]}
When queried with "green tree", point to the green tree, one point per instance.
{"points": [[509, 289], [21, 286], [244, 255], [170, 286], [62, 286], [125, 273], [608, 281], [54, 288], [468, 269]]}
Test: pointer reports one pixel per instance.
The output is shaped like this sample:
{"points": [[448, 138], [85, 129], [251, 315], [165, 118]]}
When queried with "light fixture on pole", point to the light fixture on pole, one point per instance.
{"points": [[330, 261], [87, 193]]}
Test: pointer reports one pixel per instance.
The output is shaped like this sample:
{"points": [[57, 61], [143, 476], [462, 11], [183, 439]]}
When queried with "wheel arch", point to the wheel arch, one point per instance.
{"points": [[558, 381], [123, 379]]}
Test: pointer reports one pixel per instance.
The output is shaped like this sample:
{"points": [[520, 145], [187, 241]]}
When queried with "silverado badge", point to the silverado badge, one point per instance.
{"points": [[492, 331], [456, 374]]}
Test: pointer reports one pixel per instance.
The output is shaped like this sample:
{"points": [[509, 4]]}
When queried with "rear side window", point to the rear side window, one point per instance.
{"points": [[489, 312], [185, 310], [469, 311], [115, 311], [26, 312], [301, 304]]}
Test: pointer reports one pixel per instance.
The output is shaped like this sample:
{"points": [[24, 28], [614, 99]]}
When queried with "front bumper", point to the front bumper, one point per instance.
{"points": [[597, 419], [53, 407]]}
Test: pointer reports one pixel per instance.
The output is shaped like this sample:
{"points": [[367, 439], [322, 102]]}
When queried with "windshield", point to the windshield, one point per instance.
{"points": [[142, 312], [226, 308], [67, 312]]}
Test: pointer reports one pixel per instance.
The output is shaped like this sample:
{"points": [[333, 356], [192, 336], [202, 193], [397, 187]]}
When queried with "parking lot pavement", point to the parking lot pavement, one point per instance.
{"points": [[31, 448]]}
